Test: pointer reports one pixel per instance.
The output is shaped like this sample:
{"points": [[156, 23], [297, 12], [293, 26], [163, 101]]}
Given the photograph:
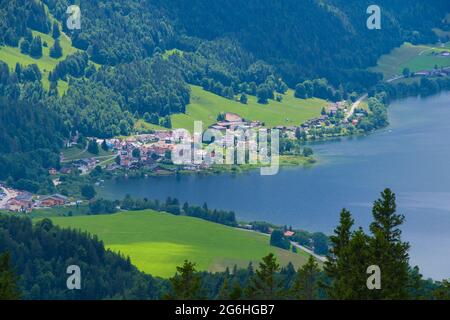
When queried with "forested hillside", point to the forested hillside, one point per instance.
{"points": [[310, 38], [138, 57], [42, 253], [31, 133]]}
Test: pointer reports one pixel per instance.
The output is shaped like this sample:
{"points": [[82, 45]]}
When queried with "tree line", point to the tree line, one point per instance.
{"points": [[171, 205]]}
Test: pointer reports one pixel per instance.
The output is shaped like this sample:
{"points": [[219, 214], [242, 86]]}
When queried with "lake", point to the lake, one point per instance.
{"points": [[411, 156]]}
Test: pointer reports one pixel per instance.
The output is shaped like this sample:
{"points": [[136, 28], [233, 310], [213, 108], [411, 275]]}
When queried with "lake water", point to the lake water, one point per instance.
{"points": [[411, 156]]}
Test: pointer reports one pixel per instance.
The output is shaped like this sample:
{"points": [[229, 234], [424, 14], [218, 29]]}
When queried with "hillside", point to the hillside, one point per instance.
{"points": [[413, 57], [41, 253], [206, 106], [158, 242], [138, 59]]}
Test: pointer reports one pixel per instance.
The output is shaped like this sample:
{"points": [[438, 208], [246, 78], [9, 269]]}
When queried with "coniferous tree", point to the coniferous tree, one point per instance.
{"points": [[243, 99], [55, 30], [8, 280], [186, 284], [265, 284], [25, 47], [443, 291], [36, 47], [104, 145], [236, 292], [387, 249], [306, 282], [56, 51], [337, 266], [93, 147], [358, 261]]}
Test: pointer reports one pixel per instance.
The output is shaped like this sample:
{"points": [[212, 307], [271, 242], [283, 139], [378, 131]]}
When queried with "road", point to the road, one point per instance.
{"points": [[355, 105], [395, 78], [295, 244], [318, 257], [9, 195]]}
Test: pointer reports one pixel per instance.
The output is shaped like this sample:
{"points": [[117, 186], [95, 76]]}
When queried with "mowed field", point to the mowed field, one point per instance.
{"points": [[12, 55], [158, 242], [414, 57], [205, 106]]}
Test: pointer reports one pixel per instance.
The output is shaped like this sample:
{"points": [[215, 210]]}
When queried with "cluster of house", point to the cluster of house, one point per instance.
{"points": [[26, 202], [148, 150], [439, 72], [329, 112], [141, 150], [232, 121], [444, 53]]}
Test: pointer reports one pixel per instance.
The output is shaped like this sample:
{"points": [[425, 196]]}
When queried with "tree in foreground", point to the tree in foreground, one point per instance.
{"points": [[443, 291], [305, 285], [8, 280], [353, 252], [186, 284], [337, 266], [265, 283], [387, 250]]}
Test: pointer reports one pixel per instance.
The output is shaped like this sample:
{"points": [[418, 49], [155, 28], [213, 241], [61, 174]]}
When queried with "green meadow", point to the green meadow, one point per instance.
{"points": [[75, 153], [12, 55], [205, 106], [414, 57], [158, 242]]}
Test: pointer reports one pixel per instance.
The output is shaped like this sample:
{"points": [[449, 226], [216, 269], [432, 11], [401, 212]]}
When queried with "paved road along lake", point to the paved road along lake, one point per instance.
{"points": [[411, 156]]}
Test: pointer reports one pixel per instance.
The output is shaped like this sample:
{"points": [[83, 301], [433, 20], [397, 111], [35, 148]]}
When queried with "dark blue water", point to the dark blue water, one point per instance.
{"points": [[411, 156]]}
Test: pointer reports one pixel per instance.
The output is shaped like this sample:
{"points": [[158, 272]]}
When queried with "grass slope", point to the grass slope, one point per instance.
{"points": [[414, 57], [158, 242], [12, 55], [75, 153], [205, 106]]}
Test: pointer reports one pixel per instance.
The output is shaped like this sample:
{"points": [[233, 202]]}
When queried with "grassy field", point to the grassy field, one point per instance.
{"points": [[205, 106], [75, 153], [158, 242], [12, 55], [413, 57], [142, 126]]}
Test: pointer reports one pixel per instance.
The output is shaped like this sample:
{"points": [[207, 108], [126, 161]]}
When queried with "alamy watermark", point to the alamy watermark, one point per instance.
{"points": [[374, 20], [256, 146], [74, 20], [374, 280], [74, 280]]}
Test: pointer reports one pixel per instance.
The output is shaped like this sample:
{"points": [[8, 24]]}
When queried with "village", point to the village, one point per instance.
{"points": [[436, 72], [23, 201], [152, 152]]}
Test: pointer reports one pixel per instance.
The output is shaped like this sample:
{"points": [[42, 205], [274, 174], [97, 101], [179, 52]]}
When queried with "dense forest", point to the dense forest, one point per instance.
{"points": [[310, 39], [31, 134]]}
